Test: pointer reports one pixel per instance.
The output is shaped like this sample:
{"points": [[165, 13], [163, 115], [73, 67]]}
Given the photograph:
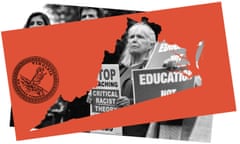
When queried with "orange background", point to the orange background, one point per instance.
{"points": [[77, 50]]}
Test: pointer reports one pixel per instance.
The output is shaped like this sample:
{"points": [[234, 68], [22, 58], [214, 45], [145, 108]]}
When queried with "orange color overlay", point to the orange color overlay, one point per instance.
{"points": [[77, 50]]}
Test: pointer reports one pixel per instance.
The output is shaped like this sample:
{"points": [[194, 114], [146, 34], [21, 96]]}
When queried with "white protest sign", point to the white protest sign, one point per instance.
{"points": [[105, 95]]}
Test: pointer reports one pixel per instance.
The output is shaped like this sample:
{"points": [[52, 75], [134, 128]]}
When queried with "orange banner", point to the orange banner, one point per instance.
{"points": [[72, 53]]}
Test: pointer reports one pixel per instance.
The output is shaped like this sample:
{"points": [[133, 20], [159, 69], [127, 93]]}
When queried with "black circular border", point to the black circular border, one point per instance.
{"points": [[39, 99]]}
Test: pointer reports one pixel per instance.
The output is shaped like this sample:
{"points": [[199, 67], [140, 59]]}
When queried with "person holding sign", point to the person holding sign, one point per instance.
{"points": [[141, 38]]}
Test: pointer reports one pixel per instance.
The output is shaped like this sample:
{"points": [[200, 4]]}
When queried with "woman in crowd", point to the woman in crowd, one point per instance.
{"points": [[37, 19], [141, 38]]}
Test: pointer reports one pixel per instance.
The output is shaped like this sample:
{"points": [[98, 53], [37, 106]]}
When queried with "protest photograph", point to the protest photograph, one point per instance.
{"points": [[118, 72]]}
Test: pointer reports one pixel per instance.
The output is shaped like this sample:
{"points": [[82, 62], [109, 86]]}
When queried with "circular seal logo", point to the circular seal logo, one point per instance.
{"points": [[35, 79]]}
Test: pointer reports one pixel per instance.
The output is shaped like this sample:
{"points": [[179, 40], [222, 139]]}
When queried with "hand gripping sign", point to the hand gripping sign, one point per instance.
{"points": [[165, 73], [104, 96]]}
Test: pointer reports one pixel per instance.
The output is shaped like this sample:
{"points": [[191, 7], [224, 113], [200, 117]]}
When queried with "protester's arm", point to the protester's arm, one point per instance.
{"points": [[127, 94], [152, 130]]}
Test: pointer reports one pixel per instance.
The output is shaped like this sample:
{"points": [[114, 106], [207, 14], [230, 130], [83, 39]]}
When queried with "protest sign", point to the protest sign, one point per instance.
{"points": [[164, 53], [104, 96], [155, 80], [152, 83], [75, 56]]}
